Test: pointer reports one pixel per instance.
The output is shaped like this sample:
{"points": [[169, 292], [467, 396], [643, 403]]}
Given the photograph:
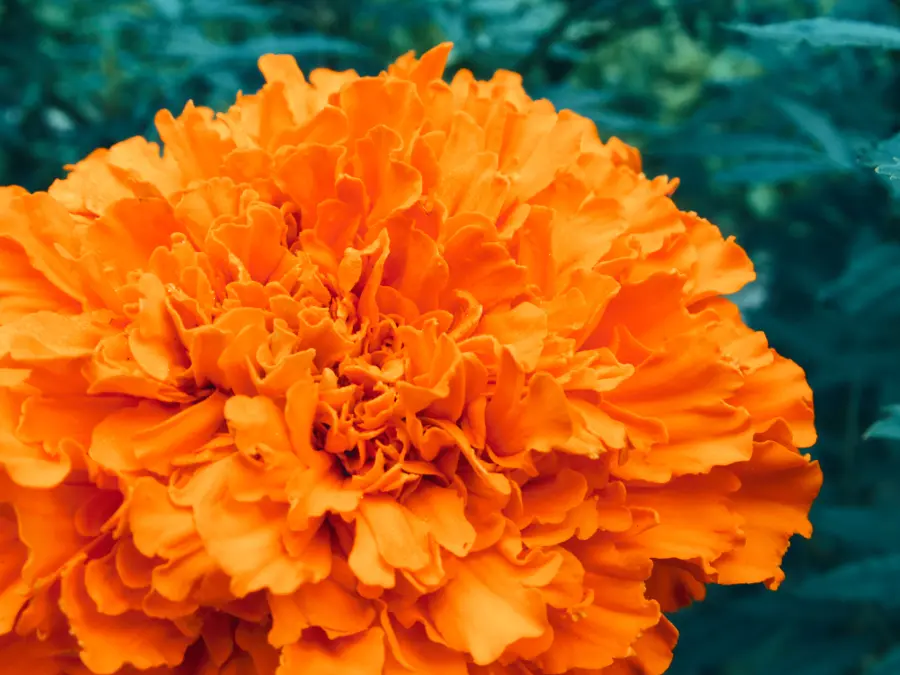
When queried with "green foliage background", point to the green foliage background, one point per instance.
{"points": [[781, 117]]}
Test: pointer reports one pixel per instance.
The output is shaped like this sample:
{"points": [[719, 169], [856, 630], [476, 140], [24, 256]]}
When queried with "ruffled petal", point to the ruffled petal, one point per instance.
{"points": [[360, 655], [487, 606], [778, 486]]}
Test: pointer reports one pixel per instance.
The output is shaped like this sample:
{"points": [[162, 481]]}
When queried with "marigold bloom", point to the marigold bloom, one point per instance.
{"points": [[378, 375]]}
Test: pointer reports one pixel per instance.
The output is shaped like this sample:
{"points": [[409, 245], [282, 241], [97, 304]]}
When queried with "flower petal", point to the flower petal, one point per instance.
{"points": [[361, 655], [778, 486], [110, 642], [487, 606]]}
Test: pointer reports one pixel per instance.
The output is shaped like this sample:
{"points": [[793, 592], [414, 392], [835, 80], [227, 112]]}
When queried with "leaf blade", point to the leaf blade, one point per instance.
{"points": [[824, 32], [777, 171], [888, 428]]}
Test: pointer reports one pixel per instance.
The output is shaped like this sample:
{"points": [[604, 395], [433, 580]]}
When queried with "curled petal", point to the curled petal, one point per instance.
{"points": [[110, 642], [360, 655], [487, 606]]}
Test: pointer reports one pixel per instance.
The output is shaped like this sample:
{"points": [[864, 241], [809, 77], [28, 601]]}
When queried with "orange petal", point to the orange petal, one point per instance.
{"points": [[722, 267], [251, 637], [778, 486], [653, 652], [402, 538], [255, 421], [104, 586], [44, 232], [596, 635], [38, 657], [48, 526], [24, 290], [696, 520], [487, 606], [675, 584], [14, 591], [30, 465], [124, 237], [411, 652], [779, 391], [46, 336], [339, 612], [548, 499], [522, 329], [131, 168], [110, 642], [152, 435], [365, 559], [415, 267], [443, 509], [193, 141], [315, 655], [685, 387], [481, 265], [391, 185], [159, 527], [250, 541], [258, 243]]}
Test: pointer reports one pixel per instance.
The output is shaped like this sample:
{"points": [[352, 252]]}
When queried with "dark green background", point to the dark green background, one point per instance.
{"points": [[776, 132]]}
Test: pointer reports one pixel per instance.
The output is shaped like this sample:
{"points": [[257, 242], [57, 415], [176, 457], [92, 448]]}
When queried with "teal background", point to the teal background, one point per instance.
{"points": [[779, 116]]}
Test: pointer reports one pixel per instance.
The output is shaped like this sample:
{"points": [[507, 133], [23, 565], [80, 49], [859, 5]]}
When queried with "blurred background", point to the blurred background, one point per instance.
{"points": [[781, 118]]}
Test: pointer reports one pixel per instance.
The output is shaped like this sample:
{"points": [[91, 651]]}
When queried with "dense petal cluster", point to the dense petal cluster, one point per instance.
{"points": [[378, 375]]}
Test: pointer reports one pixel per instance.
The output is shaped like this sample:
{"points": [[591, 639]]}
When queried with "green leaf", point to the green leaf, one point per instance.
{"points": [[575, 99], [887, 428], [871, 580], [168, 9], [740, 145], [610, 122], [819, 128], [210, 55], [888, 664], [825, 32], [494, 7], [777, 171], [216, 9], [891, 169], [871, 281], [885, 157]]}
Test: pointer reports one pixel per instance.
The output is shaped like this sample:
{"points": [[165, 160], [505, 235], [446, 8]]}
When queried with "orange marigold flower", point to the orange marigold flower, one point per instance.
{"points": [[378, 375]]}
